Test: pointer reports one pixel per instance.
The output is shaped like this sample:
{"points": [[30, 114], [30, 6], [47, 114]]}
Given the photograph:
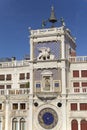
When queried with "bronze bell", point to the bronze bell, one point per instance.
{"points": [[52, 18]]}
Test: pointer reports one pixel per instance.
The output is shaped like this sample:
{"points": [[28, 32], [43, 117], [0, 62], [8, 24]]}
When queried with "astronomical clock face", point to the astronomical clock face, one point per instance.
{"points": [[48, 118]]}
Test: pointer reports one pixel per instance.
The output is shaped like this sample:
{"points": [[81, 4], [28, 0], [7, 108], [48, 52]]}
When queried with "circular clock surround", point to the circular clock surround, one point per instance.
{"points": [[48, 118]]}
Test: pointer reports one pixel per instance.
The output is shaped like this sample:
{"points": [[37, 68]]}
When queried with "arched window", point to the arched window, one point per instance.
{"points": [[14, 124], [22, 124], [83, 125], [74, 125]]}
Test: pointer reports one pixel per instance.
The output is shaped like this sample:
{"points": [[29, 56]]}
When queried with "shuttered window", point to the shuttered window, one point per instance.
{"points": [[2, 77], [83, 125], [84, 84], [84, 73], [74, 125], [83, 106], [73, 106], [75, 73]]}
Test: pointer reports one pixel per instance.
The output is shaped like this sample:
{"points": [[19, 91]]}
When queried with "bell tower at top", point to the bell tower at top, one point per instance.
{"points": [[52, 43], [50, 49]]}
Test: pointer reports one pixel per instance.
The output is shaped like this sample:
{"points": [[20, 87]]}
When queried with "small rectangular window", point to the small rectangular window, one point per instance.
{"points": [[8, 77], [22, 85], [22, 76], [75, 73], [28, 76], [8, 86], [73, 106], [83, 106], [2, 86], [15, 106], [22, 106], [84, 84], [84, 73], [76, 84], [2, 77]]}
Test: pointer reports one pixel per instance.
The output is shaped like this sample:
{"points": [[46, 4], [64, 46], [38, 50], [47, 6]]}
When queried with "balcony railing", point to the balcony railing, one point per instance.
{"points": [[46, 31], [78, 59], [14, 63], [14, 91]]}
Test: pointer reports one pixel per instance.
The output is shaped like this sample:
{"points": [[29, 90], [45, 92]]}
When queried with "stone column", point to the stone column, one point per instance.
{"points": [[7, 114], [79, 124]]}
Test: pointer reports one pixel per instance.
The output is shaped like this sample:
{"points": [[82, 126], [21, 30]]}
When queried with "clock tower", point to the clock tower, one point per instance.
{"points": [[50, 49]]}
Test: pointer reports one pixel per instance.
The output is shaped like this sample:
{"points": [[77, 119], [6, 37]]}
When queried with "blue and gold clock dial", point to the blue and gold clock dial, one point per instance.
{"points": [[48, 118]]}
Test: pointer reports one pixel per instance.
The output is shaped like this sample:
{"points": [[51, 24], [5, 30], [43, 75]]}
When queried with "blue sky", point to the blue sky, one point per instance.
{"points": [[17, 15]]}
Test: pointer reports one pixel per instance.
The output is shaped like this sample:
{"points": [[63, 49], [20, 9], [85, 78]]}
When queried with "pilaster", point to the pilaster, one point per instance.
{"points": [[7, 114], [62, 47], [30, 115]]}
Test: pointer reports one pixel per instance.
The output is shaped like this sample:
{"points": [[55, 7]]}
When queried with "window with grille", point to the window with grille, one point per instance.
{"points": [[84, 84], [83, 106], [84, 73], [73, 106], [76, 84], [22, 106], [75, 73], [15, 106]]}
